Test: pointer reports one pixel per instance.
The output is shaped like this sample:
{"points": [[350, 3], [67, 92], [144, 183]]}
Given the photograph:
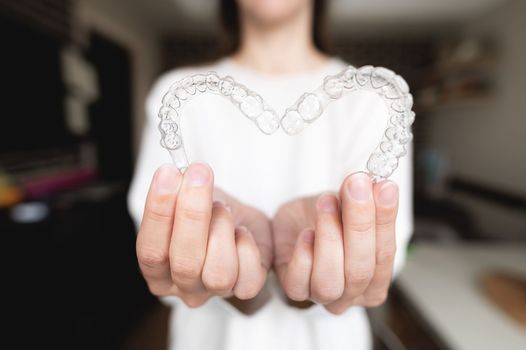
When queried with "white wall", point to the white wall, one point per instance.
{"points": [[488, 143], [127, 27]]}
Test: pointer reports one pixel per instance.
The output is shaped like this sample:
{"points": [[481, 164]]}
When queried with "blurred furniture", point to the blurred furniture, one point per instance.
{"points": [[72, 279], [39, 135], [508, 292], [443, 286], [442, 220], [384, 338], [463, 74]]}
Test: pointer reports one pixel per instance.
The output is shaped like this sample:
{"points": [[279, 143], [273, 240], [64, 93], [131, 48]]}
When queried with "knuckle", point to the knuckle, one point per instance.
{"points": [[302, 266], [246, 292], [193, 301], [296, 292], [157, 290], [359, 276], [185, 269], [385, 255], [151, 257], [221, 220], [156, 214], [376, 300], [337, 310], [361, 227], [220, 209], [193, 215], [327, 293], [330, 235], [218, 282], [386, 221]]}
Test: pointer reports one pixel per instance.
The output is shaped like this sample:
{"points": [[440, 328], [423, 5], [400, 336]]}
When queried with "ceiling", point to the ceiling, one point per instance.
{"points": [[199, 15], [411, 10]]}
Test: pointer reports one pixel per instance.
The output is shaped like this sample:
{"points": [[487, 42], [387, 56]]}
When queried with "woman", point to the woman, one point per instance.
{"points": [[252, 249]]}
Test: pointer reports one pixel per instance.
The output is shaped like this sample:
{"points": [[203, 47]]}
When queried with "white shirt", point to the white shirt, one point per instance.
{"points": [[265, 172]]}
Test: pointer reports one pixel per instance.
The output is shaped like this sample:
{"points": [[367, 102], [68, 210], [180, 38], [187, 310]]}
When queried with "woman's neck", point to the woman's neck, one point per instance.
{"points": [[279, 48]]}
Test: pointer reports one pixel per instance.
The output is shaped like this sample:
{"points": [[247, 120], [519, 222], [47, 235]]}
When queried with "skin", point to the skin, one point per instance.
{"points": [[338, 249], [196, 241]]}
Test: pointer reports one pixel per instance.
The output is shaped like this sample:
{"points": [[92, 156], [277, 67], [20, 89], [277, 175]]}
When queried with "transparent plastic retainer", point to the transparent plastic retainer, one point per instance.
{"points": [[392, 88]]}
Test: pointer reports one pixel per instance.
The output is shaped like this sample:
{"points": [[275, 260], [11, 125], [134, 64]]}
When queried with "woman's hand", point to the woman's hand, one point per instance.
{"points": [[338, 252], [193, 247]]}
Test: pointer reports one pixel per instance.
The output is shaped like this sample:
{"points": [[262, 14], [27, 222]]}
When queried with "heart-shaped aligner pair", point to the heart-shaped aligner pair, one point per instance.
{"points": [[390, 87]]}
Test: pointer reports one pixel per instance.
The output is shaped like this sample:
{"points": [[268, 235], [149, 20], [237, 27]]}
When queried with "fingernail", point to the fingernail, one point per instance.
{"points": [[388, 194], [198, 175], [167, 179], [222, 203], [327, 203], [241, 230], [308, 236], [360, 187]]}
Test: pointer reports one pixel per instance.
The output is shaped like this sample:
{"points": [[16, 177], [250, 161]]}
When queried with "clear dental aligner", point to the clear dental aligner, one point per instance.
{"points": [[392, 88]]}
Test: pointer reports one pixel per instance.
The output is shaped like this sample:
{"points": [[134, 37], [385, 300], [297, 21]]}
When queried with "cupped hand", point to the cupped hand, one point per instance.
{"points": [[196, 242], [338, 250]]}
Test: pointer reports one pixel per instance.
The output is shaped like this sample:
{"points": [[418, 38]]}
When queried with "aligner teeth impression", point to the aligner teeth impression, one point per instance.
{"points": [[392, 88]]}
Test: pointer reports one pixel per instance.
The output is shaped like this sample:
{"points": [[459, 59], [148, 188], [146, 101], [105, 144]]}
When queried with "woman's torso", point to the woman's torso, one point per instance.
{"points": [[265, 171]]}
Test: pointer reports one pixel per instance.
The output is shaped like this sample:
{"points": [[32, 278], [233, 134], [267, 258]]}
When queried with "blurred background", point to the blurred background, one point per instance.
{"points": [[75, 74]]}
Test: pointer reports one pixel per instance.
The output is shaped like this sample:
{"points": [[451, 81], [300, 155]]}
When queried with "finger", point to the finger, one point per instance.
{"points": [[327, 280], [284, 237], [191, 223], [194, 299], [358, 215], [221, 265], [252, 274], [258, 222], [386, 199], [341, 305], [153, 239], [295, 277]]}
